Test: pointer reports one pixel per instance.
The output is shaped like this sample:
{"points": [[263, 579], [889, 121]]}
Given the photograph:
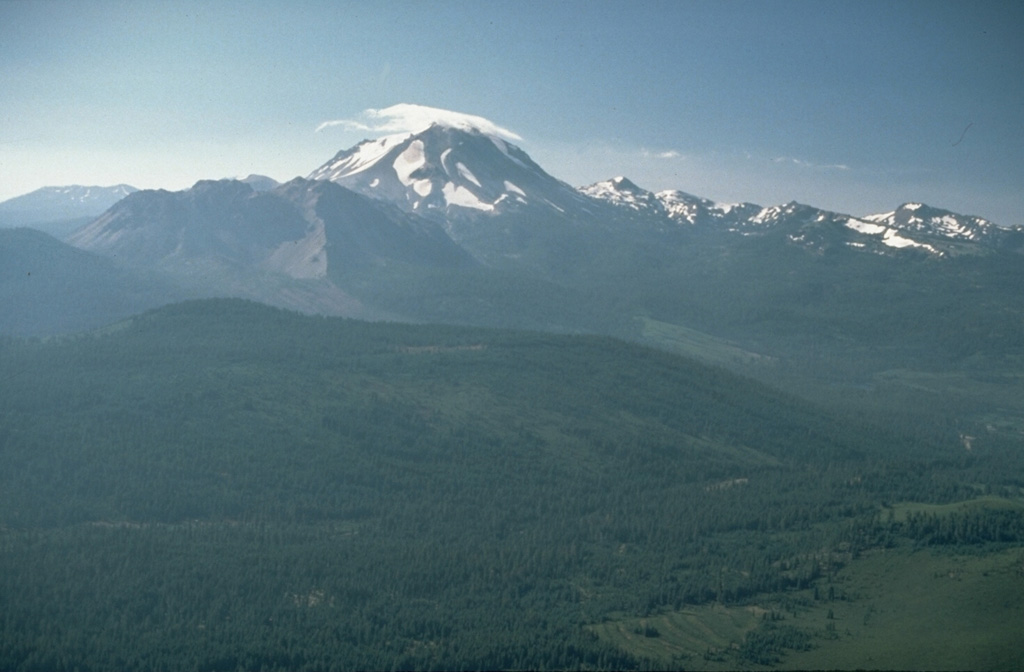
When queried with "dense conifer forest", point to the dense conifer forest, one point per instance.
{"points": [[219, 485]]}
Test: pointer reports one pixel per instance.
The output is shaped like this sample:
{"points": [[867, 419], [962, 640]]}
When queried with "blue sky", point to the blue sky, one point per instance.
{"points": [[851, 106]]}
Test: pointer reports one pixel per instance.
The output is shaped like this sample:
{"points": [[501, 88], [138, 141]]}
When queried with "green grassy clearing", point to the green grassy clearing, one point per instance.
{"points": [[903, 510], [893, 609], [695, 638], [697, 344], [922, 610]]}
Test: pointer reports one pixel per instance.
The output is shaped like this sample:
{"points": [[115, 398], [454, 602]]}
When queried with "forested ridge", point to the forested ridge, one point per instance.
{"points": [[220, 485]]}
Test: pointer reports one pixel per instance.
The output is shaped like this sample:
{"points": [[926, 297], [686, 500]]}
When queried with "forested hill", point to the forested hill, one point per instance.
{"points": [[219, 484], [238, 382]]}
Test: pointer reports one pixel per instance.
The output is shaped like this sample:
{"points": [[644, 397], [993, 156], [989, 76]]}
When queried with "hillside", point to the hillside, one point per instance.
{"points": [[220, 484], [48, 287]]}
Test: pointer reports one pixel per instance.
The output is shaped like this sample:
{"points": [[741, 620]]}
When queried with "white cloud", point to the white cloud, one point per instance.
{"points": [[408, 118], [809, 164], [667, 154]]}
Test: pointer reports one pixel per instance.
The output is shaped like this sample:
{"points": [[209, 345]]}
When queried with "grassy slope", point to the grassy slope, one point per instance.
{"points": [[900, 609], [923, 610]]}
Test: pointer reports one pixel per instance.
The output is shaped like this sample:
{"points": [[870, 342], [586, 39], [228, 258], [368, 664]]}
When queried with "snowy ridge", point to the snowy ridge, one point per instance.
{"points": [[622, 192], [913, 226], [923, 220], [684, 207], [362, 157], [47, 208], [75, 194], [675, 206], [83, 194]]}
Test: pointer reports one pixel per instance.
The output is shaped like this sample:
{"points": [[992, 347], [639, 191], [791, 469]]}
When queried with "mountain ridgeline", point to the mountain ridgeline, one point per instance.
{"points": [[56, 204], [454, 225]]}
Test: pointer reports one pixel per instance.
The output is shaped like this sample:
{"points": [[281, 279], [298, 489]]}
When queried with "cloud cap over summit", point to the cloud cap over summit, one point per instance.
{"points": [[411, 118]]}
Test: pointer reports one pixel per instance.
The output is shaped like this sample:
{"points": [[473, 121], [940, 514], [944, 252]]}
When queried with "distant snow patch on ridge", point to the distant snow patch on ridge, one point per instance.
{"points": [[881, 217], [406, 117], [893, 239], [865, 227], [890, 236], [769, 214], [622, 192]]}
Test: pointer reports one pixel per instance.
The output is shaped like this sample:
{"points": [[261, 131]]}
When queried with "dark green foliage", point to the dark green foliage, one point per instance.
{"points": [[766, 645], [222, 485]]}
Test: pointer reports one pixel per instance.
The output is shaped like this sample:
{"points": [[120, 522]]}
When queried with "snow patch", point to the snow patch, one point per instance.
{"points": [[514, 189], [464, 198], [409, 161], [364, 156], [766, 214], [467, 174], [422, 187], [865, 227], [893, 239], [500, 144], [503, 148], [884, 217]]}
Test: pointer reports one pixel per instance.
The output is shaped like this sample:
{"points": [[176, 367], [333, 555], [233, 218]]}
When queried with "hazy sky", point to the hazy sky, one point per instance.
{"points": [[851, 106]]}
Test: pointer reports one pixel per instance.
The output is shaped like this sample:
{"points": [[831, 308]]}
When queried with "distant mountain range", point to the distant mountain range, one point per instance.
{"points": [[911, 226], [60, 210], [453, 175], [53, 203], [454, 225], [464, 180]]}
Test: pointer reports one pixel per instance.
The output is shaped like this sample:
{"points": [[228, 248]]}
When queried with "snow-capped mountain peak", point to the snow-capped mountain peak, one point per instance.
{"points": [[444, 171], [686, 208], [677, 206], [923, 220], [622, 192]]}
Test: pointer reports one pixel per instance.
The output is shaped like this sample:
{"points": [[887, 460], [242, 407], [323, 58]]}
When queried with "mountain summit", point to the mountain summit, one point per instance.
{"points": [[447, 171]]}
